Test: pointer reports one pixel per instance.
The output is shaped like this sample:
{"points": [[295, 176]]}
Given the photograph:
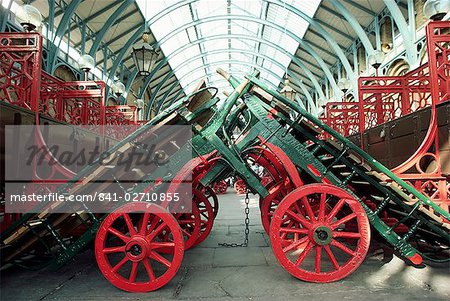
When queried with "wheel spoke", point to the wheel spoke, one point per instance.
{"points": [[120, 264], [343, 220], [342, 247], [309, 211], [157, 231], [119, 234], [144, 224], [318, 260], [148, 268], [133, 272], [290, 224], [343, 234], [294, 230], [295, 244], [114, 250], [299, 218], [303, 255], [331, 256], [322, 202], [156, 256], [335, 210], [186, 232], [186, 221], [157, 245], [129, 224], [154, 222]]}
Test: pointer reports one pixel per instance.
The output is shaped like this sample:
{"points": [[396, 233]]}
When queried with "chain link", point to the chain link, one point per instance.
{"points": [[247, 226]]}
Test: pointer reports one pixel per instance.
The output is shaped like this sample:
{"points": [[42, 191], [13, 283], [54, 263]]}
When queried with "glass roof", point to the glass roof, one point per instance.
{"points": [[225, 48]]}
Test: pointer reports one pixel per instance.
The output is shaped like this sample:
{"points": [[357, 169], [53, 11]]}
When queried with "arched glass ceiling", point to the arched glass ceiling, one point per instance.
{"points": [[164, 26]]}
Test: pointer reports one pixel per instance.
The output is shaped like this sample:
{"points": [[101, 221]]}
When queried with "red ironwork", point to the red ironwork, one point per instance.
{"points": [[23, 83], [20, 68], [385, 98]]}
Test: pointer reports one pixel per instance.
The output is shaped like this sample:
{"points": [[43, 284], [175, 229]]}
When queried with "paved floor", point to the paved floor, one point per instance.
{"points": [[210, 272]]}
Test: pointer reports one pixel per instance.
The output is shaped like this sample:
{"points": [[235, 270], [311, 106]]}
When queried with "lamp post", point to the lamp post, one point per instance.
{"points": [[86, 64], [287, 90], [144, 55], [118, 88], [344, 85], [436, 9], [140, 106], [29, 17], [376, 58]]}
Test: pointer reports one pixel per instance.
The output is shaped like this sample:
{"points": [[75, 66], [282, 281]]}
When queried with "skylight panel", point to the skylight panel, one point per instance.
{"points": [[276, 13]]}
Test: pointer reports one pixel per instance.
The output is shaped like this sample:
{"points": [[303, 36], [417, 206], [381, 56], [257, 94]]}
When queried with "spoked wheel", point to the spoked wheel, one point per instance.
{"points": [[280, 176], [269, 205], [220, 187], [314, 244], [190, 224], [240, 187], [130, 258], [212, 198], [206, 215]]}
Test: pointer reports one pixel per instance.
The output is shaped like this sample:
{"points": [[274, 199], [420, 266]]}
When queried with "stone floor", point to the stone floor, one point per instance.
{"points": [[211, 272]]}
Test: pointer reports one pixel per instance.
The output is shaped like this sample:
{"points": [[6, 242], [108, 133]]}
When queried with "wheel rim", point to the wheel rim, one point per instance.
{"points": [[206, 215], [213, 199], [240, 187], [190, 224], [131, 259], [269, 205], [220, 187], [311, 245]]}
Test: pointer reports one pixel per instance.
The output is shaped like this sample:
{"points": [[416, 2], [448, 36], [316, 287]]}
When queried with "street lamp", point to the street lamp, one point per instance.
{"points": [[436, 9], [144, 55], [376, 58], [287, 90], [86, 64], [140, 106], [29, 17], [344, 85], [118, 88]]}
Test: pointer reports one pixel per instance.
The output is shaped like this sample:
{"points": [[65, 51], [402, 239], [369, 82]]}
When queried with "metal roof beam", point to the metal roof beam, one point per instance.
{"points": [[102, 11], [361, 7], [338, 31]]}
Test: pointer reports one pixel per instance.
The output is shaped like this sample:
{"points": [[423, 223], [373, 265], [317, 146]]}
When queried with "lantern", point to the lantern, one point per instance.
{"points": [[344, 84], [436, 9], [29, 17], [118, 88], [86, 64], [144, 55], [287, 90], [376, 58]]}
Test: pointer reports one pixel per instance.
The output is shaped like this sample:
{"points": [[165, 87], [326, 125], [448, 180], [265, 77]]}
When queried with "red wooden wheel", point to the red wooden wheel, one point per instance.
{"points": [[220, 187], [270, 203], [130, 258], [212, 198], [314, 244], [240, 187], [206, 215], [265, 180], [190, 224]]}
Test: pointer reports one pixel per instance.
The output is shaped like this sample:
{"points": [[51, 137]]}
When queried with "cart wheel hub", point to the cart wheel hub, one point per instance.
{"points": [[322, 235], [136, 248]]}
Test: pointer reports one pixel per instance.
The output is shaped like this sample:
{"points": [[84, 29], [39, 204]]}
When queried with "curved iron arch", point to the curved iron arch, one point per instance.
{"points": [[291, 73], [294, 58], [210, 65]]}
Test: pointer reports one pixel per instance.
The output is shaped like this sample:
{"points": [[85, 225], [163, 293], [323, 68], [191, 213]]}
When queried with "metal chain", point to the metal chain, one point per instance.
{"points": [[247, 226]]}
